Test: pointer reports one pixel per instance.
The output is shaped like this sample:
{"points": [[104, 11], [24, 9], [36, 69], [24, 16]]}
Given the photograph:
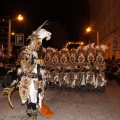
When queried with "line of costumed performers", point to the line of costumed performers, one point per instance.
{"points": [[39, 67], [84, 66]]}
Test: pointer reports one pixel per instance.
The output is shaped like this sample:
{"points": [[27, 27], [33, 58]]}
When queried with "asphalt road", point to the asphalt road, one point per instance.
{"points": [[69, 104]]}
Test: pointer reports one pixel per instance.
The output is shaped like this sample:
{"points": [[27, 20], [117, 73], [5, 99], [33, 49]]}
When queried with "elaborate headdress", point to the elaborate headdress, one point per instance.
{"points": [[31, 52]]}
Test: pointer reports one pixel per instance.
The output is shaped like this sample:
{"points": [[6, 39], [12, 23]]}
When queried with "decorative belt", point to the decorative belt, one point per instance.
{"points": [[31, 75]]}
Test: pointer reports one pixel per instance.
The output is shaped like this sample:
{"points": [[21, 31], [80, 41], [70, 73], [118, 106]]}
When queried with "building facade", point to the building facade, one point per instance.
{"points": [[105, 20]]}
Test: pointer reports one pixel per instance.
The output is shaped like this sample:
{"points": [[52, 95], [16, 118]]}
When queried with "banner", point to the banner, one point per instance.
{"points": [[19, 39]]}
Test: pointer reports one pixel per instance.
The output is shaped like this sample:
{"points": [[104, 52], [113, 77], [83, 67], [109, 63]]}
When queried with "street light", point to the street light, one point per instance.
{"points": [[88, 30], [20, 17], [12, 33]]}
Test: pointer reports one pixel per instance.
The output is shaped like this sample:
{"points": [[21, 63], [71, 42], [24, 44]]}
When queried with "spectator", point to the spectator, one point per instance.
{"points": [[3, 75], [12, 74], [114, 70], [118, 75]]}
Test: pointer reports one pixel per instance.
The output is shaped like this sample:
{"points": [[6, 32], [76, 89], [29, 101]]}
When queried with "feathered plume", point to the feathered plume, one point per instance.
{"points": [[92, 45], [104, 47]]}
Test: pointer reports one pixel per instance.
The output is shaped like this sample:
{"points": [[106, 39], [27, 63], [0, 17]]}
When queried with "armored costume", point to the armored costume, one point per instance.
{"points": [[84, 66], [100, 66], [31, 73]]}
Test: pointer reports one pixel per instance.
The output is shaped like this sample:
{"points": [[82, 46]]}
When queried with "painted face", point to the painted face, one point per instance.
{"points": [[91, 58], [55, 59], [27, 56], [81, 59], [47, 57], [99, 59]]}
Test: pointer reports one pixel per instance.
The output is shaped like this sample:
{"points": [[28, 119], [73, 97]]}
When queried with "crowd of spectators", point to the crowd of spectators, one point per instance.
{"points": [[7, 74], [113, 70]]}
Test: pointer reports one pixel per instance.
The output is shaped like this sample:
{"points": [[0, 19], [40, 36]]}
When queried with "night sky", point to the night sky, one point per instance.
{"points": [[67, 18]]}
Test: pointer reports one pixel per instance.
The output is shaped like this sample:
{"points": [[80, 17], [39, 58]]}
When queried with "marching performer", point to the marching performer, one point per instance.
{"points": [[30, 74]]}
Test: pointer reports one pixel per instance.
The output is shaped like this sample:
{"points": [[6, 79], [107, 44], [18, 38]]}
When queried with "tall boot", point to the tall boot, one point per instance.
{"points": [[26, 117], [34, 114]]}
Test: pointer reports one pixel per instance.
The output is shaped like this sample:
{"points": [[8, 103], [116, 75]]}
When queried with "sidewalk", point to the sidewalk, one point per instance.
{"points": [[70, 104]]}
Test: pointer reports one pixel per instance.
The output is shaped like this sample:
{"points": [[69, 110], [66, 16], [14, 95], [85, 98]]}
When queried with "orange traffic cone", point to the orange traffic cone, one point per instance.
{"points": [[45, 111]]}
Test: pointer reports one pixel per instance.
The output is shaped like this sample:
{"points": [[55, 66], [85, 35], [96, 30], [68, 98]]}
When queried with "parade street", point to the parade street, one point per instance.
{"points": [[69, 104]]}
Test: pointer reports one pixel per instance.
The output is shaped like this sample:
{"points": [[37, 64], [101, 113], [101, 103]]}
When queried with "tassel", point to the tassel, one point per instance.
{"points": [[83, 80], [94, 79], [96, 85], [73, 83]]}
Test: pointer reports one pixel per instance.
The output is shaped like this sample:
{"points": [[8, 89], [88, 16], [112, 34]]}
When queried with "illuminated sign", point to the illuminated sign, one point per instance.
{"points": [[19, 39]]}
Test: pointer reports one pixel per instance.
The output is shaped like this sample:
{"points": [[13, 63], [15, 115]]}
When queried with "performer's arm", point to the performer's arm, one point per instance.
{"points": [[19, 75], [38, 72]]}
